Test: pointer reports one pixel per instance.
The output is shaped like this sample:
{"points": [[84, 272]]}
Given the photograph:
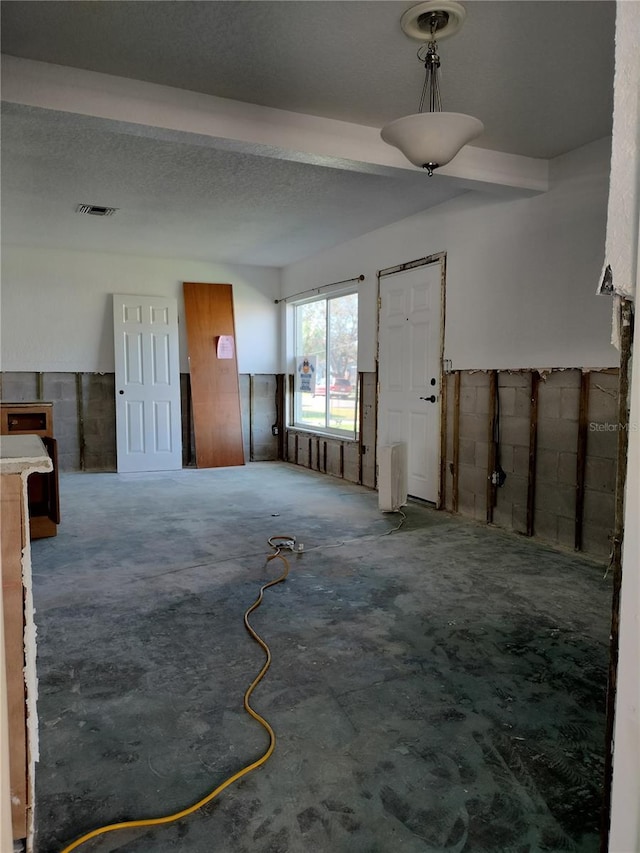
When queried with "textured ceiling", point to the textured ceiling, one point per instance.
{"points": [[538, 74], [181, 199]]}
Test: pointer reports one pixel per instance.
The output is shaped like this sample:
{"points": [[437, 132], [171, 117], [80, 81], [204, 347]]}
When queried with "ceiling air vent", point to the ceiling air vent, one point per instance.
{"points": [[95, 210]]}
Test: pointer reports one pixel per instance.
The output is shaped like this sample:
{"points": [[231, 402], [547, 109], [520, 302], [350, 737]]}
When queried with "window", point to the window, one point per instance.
{"points": [[326, 349]]}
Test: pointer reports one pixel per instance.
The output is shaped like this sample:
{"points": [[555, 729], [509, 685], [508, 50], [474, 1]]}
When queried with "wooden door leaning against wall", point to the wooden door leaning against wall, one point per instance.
{"points": [[213, 367]]}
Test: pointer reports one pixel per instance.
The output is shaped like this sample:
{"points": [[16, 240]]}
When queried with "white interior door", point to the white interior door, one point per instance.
{"points": [[409, 373], [148, 421]]}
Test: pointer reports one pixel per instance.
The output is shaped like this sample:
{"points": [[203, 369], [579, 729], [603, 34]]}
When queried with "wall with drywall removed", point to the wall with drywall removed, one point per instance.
{"points": [[554, 438], [521, 273], [57, 310], [84, 415]]}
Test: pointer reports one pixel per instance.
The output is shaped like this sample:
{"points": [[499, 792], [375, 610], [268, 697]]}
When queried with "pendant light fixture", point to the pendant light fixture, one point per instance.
{"points": [[431, 138]]}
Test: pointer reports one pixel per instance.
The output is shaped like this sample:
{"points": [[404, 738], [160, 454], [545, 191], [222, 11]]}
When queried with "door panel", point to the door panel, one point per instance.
{"points": [[215, 391], [409, 359], [148, 420]]}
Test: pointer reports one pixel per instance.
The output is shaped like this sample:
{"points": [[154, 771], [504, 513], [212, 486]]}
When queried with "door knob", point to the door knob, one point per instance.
{"points": [[430, 399], [120, 392]]}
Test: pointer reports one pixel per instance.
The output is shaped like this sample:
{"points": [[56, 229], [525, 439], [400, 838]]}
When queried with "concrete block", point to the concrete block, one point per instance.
{"points": [[545, 525], [566, 531], [19, 387], [555, 499], [351, 462], [548, 401], [264, 449], [521, 460], [515, 379], [482, 455], [602, 440], [606, 380], [599, 508], [369, 467], [65, 410], [368, 423], [567, 468], [333, 458], [473, 479], [569, 378], [303, 450], [519, 522], [600, 474], [448, 489], [468, 400], [98, 386], [480, 513], [507, 401], [515, 430], [474, 427], [603, 402], [522, 407], [467, 452], [68, 461], [513, 491], [476, 378], [263, 387], [596, 541], [482, 400], [506, 457], [291, 446], [547, 466], [570, 403], [65, 385], [100, 462], [466, 503], [556, 434], [502, 515]]}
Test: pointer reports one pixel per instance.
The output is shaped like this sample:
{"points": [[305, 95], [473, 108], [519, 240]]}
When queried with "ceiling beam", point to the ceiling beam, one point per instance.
{"points": [[167, 112]]}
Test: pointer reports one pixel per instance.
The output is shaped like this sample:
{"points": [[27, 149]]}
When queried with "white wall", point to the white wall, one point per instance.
{"points": [[521, 274], [57, 307], [623, 239]]}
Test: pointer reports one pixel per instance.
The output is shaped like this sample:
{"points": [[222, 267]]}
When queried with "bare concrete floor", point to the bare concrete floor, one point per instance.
{"points": [[437, 689]]}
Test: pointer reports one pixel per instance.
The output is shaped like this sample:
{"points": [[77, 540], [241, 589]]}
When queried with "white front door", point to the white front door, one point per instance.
{"points": [[409, 372], [148, 421]]}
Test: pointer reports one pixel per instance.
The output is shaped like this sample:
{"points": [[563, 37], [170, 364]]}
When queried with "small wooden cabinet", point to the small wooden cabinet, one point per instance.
{"points": [[44, 504]]}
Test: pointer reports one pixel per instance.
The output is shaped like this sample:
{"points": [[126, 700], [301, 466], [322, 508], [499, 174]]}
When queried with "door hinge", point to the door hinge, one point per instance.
{"points": [[379, 303]]}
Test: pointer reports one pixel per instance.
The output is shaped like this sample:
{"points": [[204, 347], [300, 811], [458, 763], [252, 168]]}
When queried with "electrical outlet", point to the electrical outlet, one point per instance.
{"points": [[275, 430], [498, 477]]}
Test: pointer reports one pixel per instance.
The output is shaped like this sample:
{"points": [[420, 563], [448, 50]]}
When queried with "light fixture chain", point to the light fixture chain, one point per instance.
{"points": [[431, 86]]}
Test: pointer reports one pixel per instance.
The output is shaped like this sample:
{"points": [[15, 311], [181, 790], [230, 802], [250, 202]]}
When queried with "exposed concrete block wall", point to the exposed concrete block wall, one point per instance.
{"points": [[556, 457], [449, 466], [18, 387], [600, 469], [259, 415], [352, 460], [84, 416], [99, 414], [540, 493], [473, 450], [510, 510]]}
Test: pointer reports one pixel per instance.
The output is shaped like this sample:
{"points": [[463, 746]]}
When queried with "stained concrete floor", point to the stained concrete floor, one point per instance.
{"points": [[437, 689]]}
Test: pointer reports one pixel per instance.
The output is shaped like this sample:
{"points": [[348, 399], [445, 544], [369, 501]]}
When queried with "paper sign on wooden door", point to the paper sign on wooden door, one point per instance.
{"points": [[225, 347]]}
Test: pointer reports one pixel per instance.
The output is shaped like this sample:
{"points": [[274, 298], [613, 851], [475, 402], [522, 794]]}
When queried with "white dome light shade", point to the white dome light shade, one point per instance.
{"points": [[431, 139]]}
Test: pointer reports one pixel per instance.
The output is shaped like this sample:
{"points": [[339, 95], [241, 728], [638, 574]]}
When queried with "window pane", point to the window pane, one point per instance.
{"points": [[311, 343], [343, 360], [326, 348]]}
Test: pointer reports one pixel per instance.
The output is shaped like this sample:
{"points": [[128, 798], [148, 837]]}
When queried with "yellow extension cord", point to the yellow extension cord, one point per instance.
{"points": [[286, 542]]}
